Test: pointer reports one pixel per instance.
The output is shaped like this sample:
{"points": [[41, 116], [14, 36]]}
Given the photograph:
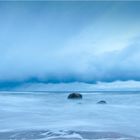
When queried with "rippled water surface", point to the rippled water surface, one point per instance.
{"points": [[41, 111]]}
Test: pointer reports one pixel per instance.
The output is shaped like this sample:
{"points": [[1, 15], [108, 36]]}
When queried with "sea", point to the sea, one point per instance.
{"points": [[45, 115]]}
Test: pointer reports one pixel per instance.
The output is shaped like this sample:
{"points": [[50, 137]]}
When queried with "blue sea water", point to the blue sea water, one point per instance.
{"points": [[23, 111]]}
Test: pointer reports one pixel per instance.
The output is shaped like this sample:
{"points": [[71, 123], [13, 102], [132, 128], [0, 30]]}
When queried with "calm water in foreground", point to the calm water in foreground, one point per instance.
{"points": [[50, 116]]}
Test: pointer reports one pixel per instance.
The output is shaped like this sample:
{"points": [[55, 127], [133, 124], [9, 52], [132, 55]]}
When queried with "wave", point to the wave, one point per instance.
{"points": [[63, 135]]}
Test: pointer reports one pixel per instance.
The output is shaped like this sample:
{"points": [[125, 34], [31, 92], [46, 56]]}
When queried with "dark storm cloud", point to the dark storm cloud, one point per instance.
{"points": [[54, 42]]}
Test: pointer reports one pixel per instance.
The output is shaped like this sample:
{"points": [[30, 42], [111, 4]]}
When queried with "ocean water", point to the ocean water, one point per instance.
{"points": [[51, 116]]}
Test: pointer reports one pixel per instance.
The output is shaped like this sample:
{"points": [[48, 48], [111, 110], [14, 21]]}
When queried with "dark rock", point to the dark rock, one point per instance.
{"points": [[75, 96], [102, 102]]}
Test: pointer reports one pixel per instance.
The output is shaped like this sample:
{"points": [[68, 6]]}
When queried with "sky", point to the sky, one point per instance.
{"points": [[63, 42]]}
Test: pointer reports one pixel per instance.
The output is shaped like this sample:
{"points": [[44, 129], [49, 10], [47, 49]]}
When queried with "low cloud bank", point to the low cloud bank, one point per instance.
{"points": [[100, 86], [69, 66]]}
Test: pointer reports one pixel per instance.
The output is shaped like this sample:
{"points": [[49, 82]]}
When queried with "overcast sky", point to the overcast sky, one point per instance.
{"points": [[62, 42]]}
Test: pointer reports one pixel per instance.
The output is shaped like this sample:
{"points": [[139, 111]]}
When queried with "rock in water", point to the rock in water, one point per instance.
{"points": [[75, 96], [102, 102]]}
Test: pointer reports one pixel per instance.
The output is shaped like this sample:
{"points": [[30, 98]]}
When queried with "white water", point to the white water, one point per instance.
{"points": [[53, 111]]}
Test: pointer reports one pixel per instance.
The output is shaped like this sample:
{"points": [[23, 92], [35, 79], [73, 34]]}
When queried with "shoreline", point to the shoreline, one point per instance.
{"points": [[63, 135]]}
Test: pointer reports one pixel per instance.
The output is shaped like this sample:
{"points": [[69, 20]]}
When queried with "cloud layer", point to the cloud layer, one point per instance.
{"points": [[69, 42]]}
